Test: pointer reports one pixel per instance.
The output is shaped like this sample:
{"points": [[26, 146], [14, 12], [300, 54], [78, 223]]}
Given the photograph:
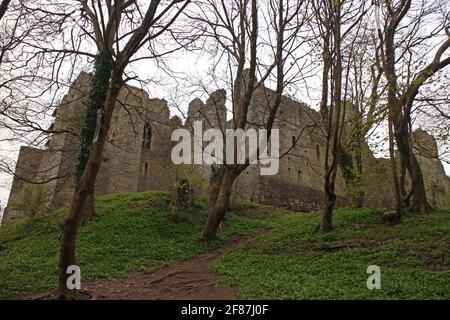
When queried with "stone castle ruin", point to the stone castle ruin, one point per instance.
{"points": [[137, 156]]}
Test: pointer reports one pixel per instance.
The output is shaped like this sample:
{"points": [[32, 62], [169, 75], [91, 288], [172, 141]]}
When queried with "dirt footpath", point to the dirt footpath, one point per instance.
{"points": [[190, 279]]}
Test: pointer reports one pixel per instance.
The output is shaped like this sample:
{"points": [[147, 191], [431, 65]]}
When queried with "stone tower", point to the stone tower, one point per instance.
{"points": [[137, 156]]}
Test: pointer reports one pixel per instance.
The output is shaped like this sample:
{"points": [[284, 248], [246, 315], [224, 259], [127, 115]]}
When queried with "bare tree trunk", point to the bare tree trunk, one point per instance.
{"points": [[400, 106], [84, 189], [356, 182], [218, 209], [359, 201], [334, 124], [3, 7], [419, 202], [325, 77], [397, 192], [243, 29], [394, 112], [214, 185], [326, 223], [402, 184]]}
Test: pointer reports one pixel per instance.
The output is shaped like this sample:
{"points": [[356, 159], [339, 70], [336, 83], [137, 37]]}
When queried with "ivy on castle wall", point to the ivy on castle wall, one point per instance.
{"points": [[352, 178], [97, 95], [346, 164]]}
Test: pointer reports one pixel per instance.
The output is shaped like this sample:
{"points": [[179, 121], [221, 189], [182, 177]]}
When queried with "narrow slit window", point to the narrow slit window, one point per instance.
{"points": [[147, 138], [146, 169]]}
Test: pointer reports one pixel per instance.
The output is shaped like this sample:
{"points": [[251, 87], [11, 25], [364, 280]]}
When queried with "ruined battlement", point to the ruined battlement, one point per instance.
{"points": [[137, 155]]}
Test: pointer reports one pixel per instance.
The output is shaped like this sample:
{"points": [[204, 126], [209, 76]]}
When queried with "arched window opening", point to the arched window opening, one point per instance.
{"points": [[317, 152], [293, 141], [299, 174], [147, 138]]}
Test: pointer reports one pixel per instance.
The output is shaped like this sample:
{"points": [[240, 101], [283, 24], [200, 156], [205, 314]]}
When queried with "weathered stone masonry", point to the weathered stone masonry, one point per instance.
{"points": [[137, 155]]}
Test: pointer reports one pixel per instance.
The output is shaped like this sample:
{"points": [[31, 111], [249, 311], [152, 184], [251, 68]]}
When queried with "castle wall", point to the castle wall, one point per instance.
{"points": [[27, 167], [248, 184], [426, 151], [137, 155], [156, 170], [122, 156], [60, 158], [123, 159], [299, 182], [377, 181]]}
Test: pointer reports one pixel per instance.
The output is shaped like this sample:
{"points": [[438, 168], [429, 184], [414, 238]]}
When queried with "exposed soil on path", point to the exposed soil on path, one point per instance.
{"points": [[190, 279]]}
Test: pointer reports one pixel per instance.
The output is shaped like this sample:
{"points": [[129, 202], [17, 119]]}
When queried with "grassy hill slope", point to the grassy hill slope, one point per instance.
{"points": [[132, 231], [293, 261], [137, 232]]}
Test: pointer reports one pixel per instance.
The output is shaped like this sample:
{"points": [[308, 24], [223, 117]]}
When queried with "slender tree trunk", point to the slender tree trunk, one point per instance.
{"points": [[326, 223], [214, 185], [419, 202], [84, 189], [357, 156], [4, 7], [334, 125], [402, 184], [397, 192], [218, 209], [394, 112], [325, 77], [359, 171]]}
